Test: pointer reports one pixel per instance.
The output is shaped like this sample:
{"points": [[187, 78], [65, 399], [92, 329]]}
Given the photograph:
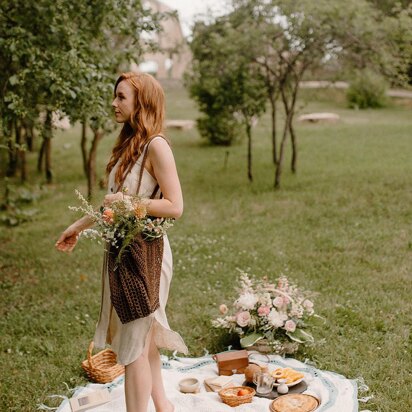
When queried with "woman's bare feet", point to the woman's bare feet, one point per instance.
{"points": [[169, 407]]}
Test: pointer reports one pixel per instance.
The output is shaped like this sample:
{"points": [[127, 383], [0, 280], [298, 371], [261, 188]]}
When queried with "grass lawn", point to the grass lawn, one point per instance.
{"points": [[342, 227]]}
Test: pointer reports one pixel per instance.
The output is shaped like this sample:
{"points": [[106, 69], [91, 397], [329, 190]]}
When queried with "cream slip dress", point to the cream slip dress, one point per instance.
{"points": [[128, 340]]}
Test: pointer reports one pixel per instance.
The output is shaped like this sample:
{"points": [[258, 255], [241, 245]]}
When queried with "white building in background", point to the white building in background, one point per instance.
{"points": [[171, 62]]}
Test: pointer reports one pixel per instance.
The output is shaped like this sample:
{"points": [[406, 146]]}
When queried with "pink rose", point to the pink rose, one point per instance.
{"points": [[278, 302], [243, 318], [308, 304], [263, 310], [223, 309], [290, 326]]}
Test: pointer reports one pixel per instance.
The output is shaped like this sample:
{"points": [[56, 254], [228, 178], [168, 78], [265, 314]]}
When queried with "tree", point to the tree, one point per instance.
{"points": [[211, 82], [225, 84], [398, 32], [294, 37], [64, 56], [282, 40]]}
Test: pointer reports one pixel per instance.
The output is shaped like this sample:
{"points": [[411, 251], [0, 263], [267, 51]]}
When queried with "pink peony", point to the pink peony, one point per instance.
{"points": [[243, 318], [263, 310], [277, 319], [223, 309], [290, 326]]}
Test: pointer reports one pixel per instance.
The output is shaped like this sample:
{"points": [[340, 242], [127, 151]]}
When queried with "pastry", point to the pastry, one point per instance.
{"points": [[296, 402]]}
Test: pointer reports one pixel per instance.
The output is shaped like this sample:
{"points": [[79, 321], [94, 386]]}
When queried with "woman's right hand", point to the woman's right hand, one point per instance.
{"points": [[68, 239]]}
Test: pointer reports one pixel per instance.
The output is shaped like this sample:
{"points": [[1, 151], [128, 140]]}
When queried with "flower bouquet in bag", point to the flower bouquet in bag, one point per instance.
{"points": [[120, 223], [269, 317]]}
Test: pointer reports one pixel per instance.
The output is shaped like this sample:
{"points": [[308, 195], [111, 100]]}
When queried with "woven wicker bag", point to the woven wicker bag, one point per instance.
{"points": [[102, 367]]}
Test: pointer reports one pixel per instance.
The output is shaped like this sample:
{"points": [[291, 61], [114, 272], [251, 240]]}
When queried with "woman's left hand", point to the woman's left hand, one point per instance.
{"points": [[109, 199]]}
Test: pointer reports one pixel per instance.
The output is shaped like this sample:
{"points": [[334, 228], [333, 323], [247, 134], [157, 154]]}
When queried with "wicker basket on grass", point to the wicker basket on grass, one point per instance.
{"points": [[231, 398], [102, 367]]}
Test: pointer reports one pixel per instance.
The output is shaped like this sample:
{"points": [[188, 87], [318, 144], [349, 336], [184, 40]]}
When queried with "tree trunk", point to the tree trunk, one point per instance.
{"points": [[12, 152], [278, 171], [41, 155], [273, 118], [29, 133], [289, 107], [294, 147], [249, 150], [83, 144], [91, 164], [47, 136], [47, 162], [291, 114], [21, 152]]}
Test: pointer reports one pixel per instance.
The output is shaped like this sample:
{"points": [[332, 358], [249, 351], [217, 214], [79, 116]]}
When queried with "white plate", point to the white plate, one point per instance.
{"points": [[276, 384]]}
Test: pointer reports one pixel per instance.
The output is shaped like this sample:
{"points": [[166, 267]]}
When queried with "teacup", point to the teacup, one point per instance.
{"points": [[264, 382]]}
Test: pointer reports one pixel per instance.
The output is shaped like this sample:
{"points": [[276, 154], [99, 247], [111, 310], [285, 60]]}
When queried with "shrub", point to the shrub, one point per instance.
{"points": [[222, 129], [367, 90]]}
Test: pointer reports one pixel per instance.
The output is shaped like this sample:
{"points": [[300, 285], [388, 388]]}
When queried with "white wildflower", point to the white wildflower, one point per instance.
{"points": [[296, 311], [220, 323]]}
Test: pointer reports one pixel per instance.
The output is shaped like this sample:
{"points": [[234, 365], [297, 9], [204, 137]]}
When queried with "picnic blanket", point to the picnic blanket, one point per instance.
{"points": [[335, 392]]}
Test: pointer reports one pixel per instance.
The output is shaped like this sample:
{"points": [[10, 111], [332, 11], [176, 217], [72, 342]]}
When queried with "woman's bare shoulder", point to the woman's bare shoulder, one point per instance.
{"points": [[158, 146]]}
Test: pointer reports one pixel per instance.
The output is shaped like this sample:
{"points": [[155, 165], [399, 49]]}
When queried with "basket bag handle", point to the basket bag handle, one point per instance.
{"points": [[89, 354]]}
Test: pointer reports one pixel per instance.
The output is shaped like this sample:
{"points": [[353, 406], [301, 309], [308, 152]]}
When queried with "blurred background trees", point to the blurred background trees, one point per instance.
{"points": [[62, 57], [282, 41]]}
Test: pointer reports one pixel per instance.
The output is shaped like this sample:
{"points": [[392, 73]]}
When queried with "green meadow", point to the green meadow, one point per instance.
{"points": [[341, 228]]}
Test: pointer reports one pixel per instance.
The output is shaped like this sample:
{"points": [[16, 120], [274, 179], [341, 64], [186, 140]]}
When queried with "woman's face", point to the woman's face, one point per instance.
{"points": [[123, 103]]}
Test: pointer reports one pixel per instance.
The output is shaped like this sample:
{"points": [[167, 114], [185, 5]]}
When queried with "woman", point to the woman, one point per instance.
{"points": [[139, 105]]}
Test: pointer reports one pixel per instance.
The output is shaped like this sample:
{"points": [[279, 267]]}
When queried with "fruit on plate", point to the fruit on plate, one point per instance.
{"points": [[242, 392], [290, 375]]}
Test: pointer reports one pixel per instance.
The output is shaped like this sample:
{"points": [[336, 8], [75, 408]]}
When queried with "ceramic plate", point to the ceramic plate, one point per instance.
{"points": [[289, 384]]}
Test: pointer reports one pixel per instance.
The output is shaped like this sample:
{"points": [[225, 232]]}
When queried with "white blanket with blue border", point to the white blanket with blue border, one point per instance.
{"points": [[335, 392]]}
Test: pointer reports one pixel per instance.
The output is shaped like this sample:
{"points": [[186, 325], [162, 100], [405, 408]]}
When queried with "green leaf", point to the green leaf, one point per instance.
{"points": [[300, 336], [250, 340]]}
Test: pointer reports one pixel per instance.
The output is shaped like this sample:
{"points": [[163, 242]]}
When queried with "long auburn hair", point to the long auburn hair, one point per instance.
{"points": [[145, 122]]}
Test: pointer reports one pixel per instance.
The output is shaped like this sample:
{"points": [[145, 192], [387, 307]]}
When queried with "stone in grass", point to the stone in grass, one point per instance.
{"points": [[180, 124], [319, 117]]}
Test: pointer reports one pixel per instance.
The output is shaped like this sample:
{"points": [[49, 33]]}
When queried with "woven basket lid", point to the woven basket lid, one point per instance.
{"points": [[294, 402]]}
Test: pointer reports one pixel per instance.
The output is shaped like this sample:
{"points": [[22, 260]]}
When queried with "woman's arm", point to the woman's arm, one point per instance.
{"points": [[162, 165], [68, 239]]}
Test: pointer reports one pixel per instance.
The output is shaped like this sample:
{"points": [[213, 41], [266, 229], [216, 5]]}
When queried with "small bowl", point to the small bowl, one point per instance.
{"points": [[189, 385]]}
